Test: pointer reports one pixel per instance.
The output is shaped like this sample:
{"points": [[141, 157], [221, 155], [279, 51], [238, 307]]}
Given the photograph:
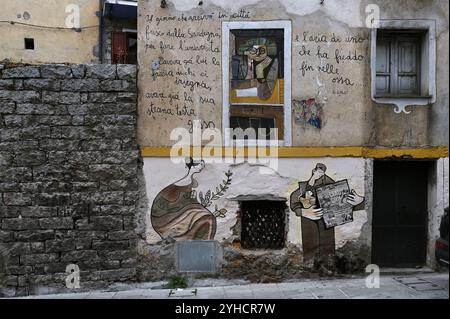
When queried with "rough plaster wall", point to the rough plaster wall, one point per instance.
{"points": [[437, 200], [346, 11], [339, 99], [446, 181], [247, 180], [439, 112], [348, 109], [51, 46], [425, 125]]}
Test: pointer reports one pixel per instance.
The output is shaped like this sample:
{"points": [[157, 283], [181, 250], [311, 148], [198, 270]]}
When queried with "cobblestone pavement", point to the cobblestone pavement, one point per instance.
{"points": [[415, 286]]}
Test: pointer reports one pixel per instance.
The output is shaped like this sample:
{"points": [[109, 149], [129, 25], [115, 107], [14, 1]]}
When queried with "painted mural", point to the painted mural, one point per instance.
{"points": [[178, 213], [322, 204], [256, 68], [308, 112]]}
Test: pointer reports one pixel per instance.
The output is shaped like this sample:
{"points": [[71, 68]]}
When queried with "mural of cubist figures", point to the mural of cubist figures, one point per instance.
{"points": [[176, 212], [256, 71], [322, 204]]}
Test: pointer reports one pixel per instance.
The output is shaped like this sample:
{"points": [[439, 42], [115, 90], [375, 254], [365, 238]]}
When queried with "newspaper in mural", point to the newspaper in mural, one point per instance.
{"points": [[177, 213], [322, 204], [333, 201]]}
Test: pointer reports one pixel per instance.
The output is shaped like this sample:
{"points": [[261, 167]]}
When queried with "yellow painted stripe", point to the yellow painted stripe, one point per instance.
{"points": [[293, 152]]}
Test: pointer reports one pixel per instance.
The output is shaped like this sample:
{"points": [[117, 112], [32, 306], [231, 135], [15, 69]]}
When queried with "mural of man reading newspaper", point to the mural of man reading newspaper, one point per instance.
{"points": [[322, 205]]}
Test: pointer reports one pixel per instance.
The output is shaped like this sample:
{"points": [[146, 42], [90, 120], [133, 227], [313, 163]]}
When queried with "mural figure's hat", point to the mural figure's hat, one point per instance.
{"points": [[321, 166]]}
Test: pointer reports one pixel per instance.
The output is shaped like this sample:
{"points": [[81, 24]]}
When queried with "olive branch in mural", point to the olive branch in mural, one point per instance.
{"points": [[210, 196]]}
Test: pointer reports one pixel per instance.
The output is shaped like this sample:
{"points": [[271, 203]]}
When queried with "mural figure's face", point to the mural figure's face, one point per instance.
{"points": [[257, 53], [318, 173], [198, 167]]}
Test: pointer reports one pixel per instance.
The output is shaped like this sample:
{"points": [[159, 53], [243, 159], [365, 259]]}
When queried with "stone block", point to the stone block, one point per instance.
{"points": [[56, 223], [21, 72], [101, 71]]}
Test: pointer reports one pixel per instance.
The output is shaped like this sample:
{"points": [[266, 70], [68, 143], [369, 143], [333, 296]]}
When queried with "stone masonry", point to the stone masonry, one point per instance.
{"points": [[69, 163]]}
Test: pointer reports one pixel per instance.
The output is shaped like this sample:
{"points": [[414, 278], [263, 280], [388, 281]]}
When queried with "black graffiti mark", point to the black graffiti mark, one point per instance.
{"points": [[351, 56], [328, 69], [342, 80], [186, 46], [215, 61], [172, 73], [162, 96], [192, 85], [306, 68], [150, 31], [242, 14], [164, 19], [187, 72], [170, 62], [184, 111], [203, 125], [203, 34], [193, 18], [340, 92], [201, 60], [355, 39], [188, 98], [177, 110], [320, 54], [207, 100], [318, 38], [165, 46], [149, 46], [152, 109], [176, 33], [164, 73], [304, 51]]}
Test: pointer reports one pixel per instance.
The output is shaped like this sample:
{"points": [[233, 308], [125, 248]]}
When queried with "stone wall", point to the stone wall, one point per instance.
{"points": [[68, 175]]}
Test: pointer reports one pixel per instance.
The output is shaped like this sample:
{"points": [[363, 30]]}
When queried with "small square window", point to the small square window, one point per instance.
{"points": [[29, 44], [403, 63], [263, 224]]}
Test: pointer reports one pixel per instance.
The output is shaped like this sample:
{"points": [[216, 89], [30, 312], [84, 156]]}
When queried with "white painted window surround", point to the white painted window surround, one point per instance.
{"points": [[428, 64], [278, 24]]}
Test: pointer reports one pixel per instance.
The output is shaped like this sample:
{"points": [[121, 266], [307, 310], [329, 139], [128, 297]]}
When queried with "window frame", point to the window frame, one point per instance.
{"points": [[286, 25], [394, 38], [427, 83]]}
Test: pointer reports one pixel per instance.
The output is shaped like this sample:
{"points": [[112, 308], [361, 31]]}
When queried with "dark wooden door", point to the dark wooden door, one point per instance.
{"points": [[119, 54], [399, 232]]}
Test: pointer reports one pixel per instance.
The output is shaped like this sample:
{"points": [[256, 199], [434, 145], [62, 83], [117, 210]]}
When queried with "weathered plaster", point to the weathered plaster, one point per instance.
{"points": [[247, 180], [438, 193], [347, 108], [51, 45]]}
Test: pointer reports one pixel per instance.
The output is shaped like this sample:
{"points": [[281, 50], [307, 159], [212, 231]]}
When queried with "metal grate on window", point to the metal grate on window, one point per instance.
{"points": [[263, 224]]}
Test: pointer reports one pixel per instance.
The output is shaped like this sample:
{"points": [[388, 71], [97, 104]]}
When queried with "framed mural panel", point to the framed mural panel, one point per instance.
{"points": [[257, 78]]}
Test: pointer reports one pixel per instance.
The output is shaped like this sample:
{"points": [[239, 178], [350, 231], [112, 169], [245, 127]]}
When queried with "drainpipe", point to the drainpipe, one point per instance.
{"points": [[100, 47]]}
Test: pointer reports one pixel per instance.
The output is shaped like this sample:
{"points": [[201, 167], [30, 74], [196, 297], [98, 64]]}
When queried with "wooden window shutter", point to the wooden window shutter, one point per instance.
{"points": [[119, 54]]}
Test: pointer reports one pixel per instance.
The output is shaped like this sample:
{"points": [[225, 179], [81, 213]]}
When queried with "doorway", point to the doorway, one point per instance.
{"points": [[399, 228]]}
